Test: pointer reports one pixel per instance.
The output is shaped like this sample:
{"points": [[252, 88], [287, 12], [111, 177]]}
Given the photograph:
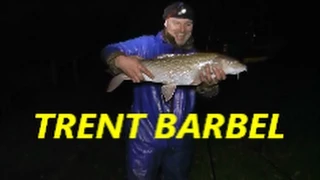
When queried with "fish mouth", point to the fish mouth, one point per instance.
{"points": [[242, 70], [238, 71]]}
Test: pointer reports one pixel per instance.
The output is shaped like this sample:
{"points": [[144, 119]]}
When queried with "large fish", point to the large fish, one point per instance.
{"points": [[174, 70]]}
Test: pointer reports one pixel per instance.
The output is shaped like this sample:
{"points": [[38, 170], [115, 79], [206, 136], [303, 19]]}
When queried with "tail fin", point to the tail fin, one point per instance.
{"points": [[115, 82]]}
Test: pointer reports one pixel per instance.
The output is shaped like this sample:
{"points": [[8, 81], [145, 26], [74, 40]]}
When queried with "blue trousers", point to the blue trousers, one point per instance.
{"points": [[144, 161]]}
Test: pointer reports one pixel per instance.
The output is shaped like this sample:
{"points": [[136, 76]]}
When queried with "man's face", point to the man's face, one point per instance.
{"points": [[180, 29]]}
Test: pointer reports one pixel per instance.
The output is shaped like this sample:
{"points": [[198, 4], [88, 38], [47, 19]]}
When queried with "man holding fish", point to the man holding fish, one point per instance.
{"points": [[145, 154]]}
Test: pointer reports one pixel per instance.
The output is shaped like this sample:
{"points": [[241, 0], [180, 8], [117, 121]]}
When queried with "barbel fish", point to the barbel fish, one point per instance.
{"points": [[172, 70]]}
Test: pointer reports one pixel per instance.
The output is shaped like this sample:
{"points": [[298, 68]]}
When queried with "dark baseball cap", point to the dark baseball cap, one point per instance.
{"points": [[178, 10]]}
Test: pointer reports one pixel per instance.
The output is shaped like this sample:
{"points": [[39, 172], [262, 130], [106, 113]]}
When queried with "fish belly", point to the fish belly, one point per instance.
{"points": [[177, 77]]}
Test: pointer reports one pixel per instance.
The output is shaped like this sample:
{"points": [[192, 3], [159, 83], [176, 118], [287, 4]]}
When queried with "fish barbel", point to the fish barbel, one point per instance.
{"points": [[172, 70]]}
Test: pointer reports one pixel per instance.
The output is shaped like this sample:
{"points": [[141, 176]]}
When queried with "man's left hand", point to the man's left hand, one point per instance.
{"points": [[206, 77]]}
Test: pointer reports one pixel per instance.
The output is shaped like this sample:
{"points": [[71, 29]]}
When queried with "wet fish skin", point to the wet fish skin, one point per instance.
{"points": [[174, 70]]}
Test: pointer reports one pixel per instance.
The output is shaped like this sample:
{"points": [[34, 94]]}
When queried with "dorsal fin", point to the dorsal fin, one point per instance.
{"points": [[172, 55], [166, 56]]}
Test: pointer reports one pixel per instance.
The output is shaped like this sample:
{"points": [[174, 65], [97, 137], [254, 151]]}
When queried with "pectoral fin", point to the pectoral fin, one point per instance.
{"points": [[116, 81], [168, 91]]}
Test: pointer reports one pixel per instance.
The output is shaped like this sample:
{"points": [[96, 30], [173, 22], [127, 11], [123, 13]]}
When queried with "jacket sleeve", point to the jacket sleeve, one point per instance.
{"points": [[129, 48], [208, 91]]}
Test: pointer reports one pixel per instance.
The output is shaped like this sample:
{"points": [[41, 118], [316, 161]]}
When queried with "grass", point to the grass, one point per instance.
{"points": [[278, 160]]}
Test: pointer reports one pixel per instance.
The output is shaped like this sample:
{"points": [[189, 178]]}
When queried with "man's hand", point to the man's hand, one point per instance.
{"points": [[132, 67], [208, 70]]}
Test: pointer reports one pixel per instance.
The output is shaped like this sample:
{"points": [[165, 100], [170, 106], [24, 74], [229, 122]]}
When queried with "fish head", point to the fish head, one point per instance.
{"points": [[233, 67]]}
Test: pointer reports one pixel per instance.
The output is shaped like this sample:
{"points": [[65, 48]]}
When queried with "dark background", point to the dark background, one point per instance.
{"points": [[49, 43], [51, 63]]}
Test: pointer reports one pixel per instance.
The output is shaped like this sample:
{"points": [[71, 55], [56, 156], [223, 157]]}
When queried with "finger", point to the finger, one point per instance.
{"points": [[208, 74], [203, 75], [211, 69], [222, 74], [135, 79], [202, 79], [139, 76], [217, 73], [130, 75], [134, 76], [146, 71]]}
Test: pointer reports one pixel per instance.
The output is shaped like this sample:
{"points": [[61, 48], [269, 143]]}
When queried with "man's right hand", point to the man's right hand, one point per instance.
{"points": [[131, 66]]}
